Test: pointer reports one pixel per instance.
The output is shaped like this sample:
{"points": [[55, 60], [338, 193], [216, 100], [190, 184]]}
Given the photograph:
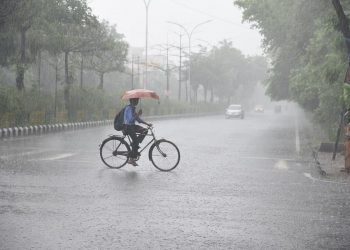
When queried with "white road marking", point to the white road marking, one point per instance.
{"points": [[309, 176], [57, 157], [282, 165], [85, 162], [23, 154], [272, 158]]}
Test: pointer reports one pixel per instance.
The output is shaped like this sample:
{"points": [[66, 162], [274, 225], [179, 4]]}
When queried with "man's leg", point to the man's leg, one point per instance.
{"points": [[130, 130], [142, 133]]}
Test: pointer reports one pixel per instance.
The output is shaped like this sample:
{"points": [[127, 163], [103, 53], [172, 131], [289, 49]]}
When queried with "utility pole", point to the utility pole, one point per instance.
{"points": [[167, 71], [180, 68], [189, 36], [146, 56], [138, 71], [132, 72], [167, 68]]}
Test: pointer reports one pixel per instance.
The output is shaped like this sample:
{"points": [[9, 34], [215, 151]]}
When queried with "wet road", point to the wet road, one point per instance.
{"points": [[241, 184]]}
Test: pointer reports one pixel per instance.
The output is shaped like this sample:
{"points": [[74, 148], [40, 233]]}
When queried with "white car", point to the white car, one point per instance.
{"points": [[259, 109], [234, 110]]}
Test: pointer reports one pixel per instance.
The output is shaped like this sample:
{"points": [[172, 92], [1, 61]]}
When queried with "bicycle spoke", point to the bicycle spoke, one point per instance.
{"points": [[165, 155], [114, 152], [108, 157]]}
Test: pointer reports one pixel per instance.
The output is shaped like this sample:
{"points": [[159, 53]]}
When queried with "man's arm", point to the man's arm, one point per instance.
{"points": [[138, 119]]}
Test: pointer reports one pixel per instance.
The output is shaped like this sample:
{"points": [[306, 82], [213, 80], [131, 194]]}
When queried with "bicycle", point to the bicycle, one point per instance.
{"points": [[115, 151]]}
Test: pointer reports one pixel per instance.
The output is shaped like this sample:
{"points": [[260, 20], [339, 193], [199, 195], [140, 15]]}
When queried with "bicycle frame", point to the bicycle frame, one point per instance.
{"points": [[150, 129], [161, 146]]}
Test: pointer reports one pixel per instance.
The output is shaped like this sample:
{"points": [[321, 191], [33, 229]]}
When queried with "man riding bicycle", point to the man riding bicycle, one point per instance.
{"points": [[131, 129]]}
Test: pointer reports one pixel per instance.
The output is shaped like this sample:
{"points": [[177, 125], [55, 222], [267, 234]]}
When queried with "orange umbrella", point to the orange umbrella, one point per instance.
{"points": [[140, 93]]}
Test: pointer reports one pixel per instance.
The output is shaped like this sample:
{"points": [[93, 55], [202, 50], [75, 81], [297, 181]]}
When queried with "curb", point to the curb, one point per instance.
{"points": [[62, 127], [49, 128]]}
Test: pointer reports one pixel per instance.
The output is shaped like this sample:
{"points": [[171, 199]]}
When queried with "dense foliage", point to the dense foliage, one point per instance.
{"points": [[307, 50], [59, 62], [54, 36], [226, 73]]}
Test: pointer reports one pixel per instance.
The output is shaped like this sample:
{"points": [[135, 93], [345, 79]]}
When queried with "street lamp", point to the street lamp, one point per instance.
{"points": [[189, 36], [147, 3]]}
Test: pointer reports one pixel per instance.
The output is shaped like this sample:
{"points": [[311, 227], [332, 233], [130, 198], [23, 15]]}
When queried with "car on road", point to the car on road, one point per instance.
{"points": [[234, 110], [259, 109]]}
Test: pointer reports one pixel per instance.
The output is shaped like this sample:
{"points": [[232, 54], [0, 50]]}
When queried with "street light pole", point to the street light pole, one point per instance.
{"points": [[147, 3], [189, 36], [180, 69], [132, 72]]}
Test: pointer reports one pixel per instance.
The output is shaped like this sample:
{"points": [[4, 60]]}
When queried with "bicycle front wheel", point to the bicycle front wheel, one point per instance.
{"points": [[114, 152], [164, 155]]}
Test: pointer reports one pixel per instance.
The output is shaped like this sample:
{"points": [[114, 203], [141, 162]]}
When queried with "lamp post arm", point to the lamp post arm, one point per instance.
{"points": [[182, 27], [195, 27]]}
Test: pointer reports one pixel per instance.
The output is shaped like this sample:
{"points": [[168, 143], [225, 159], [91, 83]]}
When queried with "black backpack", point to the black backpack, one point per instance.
{"points": [[119, 120]]}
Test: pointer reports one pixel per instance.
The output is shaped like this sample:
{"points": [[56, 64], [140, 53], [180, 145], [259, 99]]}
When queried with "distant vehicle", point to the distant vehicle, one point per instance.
{"points": [[278, 109], [234, 110], [259, 109]]}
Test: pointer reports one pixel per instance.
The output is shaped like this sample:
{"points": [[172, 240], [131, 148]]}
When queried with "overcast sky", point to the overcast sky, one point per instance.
{"points": [[130, 16]]}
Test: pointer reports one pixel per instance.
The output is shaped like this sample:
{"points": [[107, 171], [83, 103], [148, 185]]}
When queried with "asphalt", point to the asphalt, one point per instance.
{"points": [[241, 184]]}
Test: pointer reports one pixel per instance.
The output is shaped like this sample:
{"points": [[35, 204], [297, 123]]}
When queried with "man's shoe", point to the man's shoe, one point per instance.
{"points": [[132, 162]]}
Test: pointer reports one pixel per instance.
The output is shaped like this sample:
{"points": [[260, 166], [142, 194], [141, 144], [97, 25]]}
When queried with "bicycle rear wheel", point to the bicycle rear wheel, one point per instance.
{"points": [[164, 155], [114, 152]]}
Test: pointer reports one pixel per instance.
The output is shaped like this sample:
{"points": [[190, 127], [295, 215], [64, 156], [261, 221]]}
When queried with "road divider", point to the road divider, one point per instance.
{"points": [[45, 129]]}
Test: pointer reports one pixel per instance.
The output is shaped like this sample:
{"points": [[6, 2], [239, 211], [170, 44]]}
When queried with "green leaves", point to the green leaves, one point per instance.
{"points": [[224, 69], [308, 52]]}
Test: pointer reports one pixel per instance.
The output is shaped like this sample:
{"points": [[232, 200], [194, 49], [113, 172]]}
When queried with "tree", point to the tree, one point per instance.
{"points": [[224, 69], [286, 26], [202, 72], [73, 29], [24, 15], [7, 33], [307, 52], [112, 55]]}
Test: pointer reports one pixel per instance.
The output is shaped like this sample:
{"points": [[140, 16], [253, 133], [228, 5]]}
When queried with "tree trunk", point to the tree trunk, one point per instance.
{"points": [[39, 71], [56, 82], [179, 94], [81, 71], [195, 93], [211, 95], [344, 23], [205, 94], [100, 86], [21, 64], [67, 81], [66, 77]]}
